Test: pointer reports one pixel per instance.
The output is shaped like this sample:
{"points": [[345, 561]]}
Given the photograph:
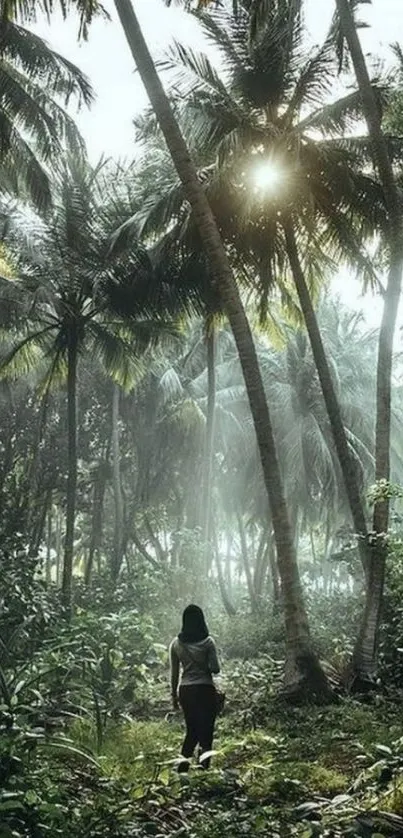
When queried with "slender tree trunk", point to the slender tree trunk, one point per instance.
{"points": [[159, 550], [259, 563], [246, 563], [67, 580], [226, 599], [38, 530], [143, 550], [329, 394], [211, 339], [365, 653], [303, 669], [228, 557], [48, 565], [96, 522], [58, 546], [117, 487], [274, 575], [264, 564]]}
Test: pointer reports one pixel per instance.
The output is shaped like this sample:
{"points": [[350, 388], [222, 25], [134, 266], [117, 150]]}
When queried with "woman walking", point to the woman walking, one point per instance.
{"points": [[194, 650]]}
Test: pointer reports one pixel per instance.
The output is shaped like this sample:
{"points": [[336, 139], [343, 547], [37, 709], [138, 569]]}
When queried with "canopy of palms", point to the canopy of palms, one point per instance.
{"points": [[263, 112], [68, 300], [35, 85]]}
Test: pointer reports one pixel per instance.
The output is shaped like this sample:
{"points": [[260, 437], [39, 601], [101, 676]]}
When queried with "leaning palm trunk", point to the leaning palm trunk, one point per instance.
{"points": [[329, 394], [365, 653], [67, 579], [302, 665]]}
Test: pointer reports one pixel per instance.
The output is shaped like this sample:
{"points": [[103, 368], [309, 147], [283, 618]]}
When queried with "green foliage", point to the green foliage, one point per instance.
{"points": [[27, 608], [34, 125], [249, 635], [334, 620], [391, 642]]}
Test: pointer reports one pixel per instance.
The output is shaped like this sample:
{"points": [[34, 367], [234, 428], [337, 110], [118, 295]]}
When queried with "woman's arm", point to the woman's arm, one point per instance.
{"points": [[174, 667], [212, 658]]}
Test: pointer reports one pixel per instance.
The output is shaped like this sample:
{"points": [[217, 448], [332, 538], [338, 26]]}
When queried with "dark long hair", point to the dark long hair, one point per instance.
{"points": [[194, 626]]}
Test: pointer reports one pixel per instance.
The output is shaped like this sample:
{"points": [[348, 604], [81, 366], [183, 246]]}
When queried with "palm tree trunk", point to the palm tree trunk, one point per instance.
{"points": [[226, 599], [365, 653], [246, 563], [48, 563], [263, 568], [391, 298], [274, 575], [58, 545], [330, 398], [67, 579], [210, 428], [303, 669], [38, 530], [117, 487], [96, 522], [260, 563]]}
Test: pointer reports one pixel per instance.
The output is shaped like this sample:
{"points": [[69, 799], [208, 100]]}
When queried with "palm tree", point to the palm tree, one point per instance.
{"points": [[365, 653], [69, 295], [302, 663], [34, 127], [251, 117]]}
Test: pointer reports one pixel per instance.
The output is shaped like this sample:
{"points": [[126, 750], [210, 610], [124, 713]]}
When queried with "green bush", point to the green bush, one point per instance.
{"points": [[248, 635], [391, 639], [27, 608]]}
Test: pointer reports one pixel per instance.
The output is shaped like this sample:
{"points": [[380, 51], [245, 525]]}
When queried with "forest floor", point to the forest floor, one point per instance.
{"points": [[277, 771]]}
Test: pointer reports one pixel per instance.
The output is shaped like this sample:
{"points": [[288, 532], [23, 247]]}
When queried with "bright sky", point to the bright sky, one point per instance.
{"points": [[106, 60]]}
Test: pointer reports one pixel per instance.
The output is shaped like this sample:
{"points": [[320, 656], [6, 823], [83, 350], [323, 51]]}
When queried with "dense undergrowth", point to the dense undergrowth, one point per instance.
{"points": [[277, 771], [89, 744]]}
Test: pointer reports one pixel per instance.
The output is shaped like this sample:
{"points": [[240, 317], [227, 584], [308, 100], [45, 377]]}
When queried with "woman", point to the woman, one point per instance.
{"points": [[195, 651]]}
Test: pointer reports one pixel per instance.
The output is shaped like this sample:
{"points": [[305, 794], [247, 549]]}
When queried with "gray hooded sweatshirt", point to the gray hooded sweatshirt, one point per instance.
{"points": [[199, 662]]}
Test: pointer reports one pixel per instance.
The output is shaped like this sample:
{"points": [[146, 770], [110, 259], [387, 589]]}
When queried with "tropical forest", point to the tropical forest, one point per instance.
{"points": [[201, 423]]}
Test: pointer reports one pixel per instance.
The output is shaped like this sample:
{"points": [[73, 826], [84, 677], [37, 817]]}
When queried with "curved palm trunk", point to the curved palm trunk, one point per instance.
{"points": [[302, 667], [67, 578], [365, 653], [330, 398], [117, 488]]}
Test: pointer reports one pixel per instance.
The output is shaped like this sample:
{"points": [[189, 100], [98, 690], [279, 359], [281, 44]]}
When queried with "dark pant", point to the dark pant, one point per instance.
{"points": [[198, 703]]}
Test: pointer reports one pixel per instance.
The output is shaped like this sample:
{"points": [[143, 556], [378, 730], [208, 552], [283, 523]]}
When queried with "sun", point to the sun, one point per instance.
{"points": [[267, 176]]}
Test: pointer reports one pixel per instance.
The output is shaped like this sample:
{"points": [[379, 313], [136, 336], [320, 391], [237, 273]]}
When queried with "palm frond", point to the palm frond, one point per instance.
{"points": [[341, 115], [198, 70], [26, 10], [24, 356], [33, 57]]}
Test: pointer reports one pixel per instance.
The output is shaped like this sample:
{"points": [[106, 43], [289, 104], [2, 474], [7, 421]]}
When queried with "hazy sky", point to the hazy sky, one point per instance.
{"points": [[106, 60]]}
